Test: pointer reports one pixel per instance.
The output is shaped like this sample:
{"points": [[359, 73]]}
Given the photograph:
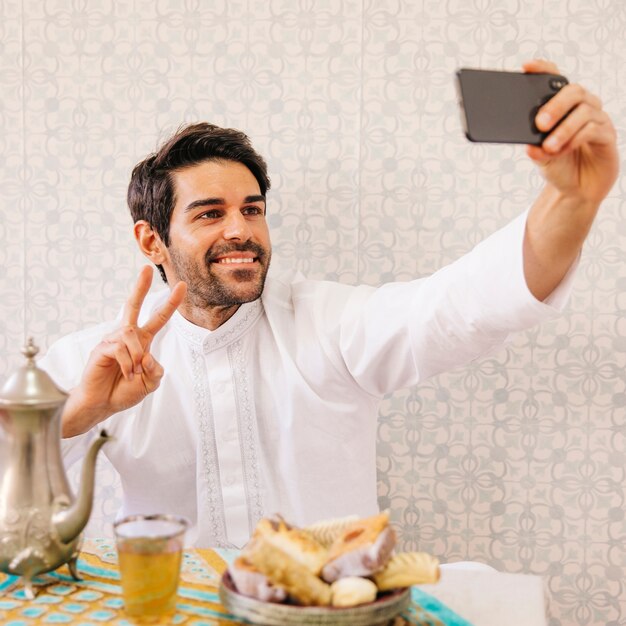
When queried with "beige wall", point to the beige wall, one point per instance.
{"points": [[517, 460]]}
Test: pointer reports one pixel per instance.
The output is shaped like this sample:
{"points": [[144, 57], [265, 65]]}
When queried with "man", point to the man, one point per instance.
{"points": [[271, 391]]}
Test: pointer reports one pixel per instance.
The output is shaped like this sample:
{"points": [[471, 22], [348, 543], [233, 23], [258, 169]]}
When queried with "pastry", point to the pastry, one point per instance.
{"points": [[284, 563], [327, 531], [353, 590], [284, 571], [362, 549], [406, 569], [250, 582], [298, 544]]}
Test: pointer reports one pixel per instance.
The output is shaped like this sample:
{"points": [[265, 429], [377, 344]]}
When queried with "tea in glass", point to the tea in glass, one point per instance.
{"points": [[149, 549]]}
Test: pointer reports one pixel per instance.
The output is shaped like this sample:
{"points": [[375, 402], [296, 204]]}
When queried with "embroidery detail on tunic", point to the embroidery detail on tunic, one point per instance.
{"points": [[194, 335], [208, 446], [246, 417], [225, 334], [207, 341]]}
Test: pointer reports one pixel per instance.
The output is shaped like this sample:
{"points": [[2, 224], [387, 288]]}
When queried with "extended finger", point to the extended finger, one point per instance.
{"points": [[162, 315], [132, 308]]}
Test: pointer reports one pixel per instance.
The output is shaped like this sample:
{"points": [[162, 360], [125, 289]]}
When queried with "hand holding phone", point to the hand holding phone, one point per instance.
{"points": [[500, 107]]}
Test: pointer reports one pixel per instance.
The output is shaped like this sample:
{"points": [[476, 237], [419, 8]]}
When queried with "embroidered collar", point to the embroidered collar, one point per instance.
{"points": [[208, 340]]}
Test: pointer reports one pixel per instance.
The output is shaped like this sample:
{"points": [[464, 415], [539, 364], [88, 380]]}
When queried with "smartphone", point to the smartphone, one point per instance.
{"points": [[500, 107]]}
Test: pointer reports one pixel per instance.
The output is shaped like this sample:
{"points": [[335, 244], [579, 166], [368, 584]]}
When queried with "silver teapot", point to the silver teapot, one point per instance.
{"points": [[40, 520]]}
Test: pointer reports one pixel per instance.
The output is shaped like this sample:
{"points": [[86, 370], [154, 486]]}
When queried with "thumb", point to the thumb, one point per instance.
{"points": [[538, 155], [152, 372], [148, 362], [540, 158]]}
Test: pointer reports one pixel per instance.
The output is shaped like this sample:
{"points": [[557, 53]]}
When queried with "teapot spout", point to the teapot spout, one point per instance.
{"points": [[71, 521]]}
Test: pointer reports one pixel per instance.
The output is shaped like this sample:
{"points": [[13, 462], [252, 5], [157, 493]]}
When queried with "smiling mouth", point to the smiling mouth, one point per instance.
{"points": [[236, 261], [245, 257]]}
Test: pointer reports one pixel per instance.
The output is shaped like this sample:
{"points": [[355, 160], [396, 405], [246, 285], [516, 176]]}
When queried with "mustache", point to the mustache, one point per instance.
{"points": [[249, 246]]}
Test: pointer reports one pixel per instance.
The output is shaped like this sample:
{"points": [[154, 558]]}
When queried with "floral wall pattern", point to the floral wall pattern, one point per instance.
{"points": [[517, 460]]}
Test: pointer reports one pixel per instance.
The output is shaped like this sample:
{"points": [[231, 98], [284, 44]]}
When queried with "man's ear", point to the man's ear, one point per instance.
{"points": [[149, 242]]}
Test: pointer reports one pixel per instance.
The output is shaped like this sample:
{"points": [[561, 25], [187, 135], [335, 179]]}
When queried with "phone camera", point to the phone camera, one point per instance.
{"points": [[557, 83]]}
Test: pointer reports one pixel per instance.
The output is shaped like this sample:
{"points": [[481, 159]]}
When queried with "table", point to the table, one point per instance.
{"points": [[97, 601]]}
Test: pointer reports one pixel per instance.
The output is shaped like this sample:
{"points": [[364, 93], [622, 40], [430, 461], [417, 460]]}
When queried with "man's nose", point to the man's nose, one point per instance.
{"points": [[236, 227]]}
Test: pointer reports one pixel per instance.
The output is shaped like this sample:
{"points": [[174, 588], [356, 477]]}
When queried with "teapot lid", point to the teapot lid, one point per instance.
{"points": [[30, 386]]}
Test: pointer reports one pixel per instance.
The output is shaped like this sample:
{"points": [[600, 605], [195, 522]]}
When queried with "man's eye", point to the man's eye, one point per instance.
{"points": [[252, 210], [209, 215]]}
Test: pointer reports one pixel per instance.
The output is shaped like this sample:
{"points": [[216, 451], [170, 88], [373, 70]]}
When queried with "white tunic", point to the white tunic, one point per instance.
{"points": [[275, 411]]}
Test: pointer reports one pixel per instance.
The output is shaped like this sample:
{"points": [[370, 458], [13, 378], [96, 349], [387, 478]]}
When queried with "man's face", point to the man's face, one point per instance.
{"points": [[219, 240]]}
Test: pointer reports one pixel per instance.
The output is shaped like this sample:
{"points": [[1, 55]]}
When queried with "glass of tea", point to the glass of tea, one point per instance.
{"points": [[149, 549]]}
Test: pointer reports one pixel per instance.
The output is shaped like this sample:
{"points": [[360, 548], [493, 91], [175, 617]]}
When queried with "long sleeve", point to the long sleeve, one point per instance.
{"points": [[64, 362], [402, 333]]}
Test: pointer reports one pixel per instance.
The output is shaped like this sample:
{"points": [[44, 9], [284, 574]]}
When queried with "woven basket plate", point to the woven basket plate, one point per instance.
{"points": [[379, 612]]}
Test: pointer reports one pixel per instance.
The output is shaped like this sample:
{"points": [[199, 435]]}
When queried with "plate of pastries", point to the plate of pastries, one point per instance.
{"points": [[340, 571]]}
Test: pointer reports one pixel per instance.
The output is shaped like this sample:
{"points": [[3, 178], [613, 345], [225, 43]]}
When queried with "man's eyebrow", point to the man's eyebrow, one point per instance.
{"points": [[220, 201], [257, 198]]}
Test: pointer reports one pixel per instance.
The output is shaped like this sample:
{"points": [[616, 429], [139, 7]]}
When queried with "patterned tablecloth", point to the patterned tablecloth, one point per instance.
{"points": [[97, 601]]}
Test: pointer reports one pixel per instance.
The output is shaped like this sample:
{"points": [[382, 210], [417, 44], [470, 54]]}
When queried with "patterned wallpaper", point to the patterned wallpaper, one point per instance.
{"points": [[517, 460]]}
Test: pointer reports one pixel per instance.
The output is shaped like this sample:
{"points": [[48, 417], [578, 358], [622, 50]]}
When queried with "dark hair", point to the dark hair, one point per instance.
{"points": [[151, 194]]}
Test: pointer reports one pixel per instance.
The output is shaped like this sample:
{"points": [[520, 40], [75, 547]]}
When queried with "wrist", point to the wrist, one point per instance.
{"points": [[79, 415], [567, 212], [573, 200]]}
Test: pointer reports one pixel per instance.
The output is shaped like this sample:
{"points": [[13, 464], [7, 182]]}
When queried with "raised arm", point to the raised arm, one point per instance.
{"points": [[120, 371], [579, 163]]}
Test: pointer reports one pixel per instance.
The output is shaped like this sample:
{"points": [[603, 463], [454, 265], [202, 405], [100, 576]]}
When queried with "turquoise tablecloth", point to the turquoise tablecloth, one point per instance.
{"points": [[96, 600]]}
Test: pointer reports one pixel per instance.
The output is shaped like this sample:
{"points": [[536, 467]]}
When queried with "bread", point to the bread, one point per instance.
{"points": [[406, 569], [362, 532], [284, 571], [250, 582], [298, 544], [327, 531], [283, 562], [362, 549], [352, 591]]}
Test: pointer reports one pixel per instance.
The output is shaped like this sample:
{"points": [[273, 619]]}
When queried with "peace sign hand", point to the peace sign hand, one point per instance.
{"points": [[121, 371]]}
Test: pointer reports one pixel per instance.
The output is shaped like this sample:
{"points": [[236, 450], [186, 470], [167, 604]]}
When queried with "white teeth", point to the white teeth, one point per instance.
{"points": [[247, 260]]}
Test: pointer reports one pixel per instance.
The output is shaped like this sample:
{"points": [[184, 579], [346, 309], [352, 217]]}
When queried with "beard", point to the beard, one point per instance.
{"points": [[207, 287]]}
